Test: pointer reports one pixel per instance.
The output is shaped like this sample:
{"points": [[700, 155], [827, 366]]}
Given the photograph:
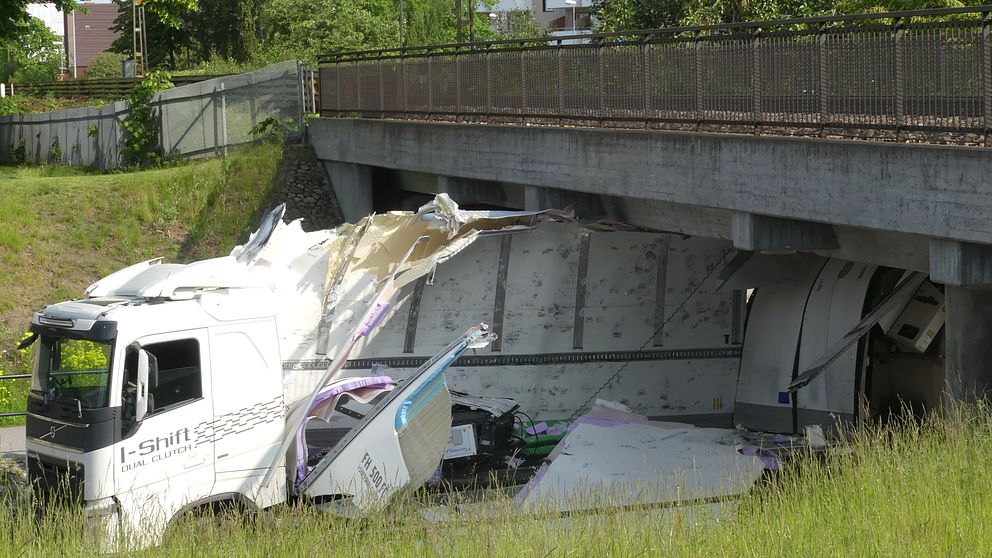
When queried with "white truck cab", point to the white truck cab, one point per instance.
{"points": [[155, 406]]}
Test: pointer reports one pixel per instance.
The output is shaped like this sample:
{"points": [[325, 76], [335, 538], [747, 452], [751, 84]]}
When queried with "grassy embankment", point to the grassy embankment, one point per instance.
{"points": [[915, 491], [61, 229]]}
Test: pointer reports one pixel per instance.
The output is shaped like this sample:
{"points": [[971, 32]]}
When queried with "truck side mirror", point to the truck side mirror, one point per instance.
{"points": [[147, 380]]}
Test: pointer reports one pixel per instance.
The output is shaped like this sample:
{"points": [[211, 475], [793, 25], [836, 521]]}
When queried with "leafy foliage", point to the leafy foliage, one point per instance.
{"points": [[55, 151], [34, 53], [521, 24], [619, 15], [14, 16], [228, 29], [11, 105], [105, 65], [141, 127], [19, 154], [308, 27], [171, 12], [169, 41], [273, 128]]}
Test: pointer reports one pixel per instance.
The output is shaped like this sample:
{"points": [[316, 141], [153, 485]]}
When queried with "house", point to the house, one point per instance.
{"points": [[560, 16], [88, 34]]}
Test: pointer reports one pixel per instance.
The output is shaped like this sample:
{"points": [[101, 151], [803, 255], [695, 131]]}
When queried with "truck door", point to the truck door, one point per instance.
{"points": [[166, 460], [248, 408]]}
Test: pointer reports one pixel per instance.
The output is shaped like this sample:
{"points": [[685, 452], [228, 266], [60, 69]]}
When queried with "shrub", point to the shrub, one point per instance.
{"points": [[55, 152], [141, 140], [105, 65], [274, 128]]}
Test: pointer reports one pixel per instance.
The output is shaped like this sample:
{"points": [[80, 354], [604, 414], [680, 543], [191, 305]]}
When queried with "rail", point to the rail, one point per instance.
{"points": [[14, 377], [923, 74], [109, 88]]}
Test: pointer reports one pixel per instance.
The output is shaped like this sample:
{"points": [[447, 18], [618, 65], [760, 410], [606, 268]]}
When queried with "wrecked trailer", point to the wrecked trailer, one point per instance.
{"points": [[217, 375], [318, 365]]}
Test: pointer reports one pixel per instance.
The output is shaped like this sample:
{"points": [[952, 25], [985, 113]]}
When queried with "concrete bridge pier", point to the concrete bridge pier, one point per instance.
{"points": [[968, 343], [352, 185], [965, 269]]}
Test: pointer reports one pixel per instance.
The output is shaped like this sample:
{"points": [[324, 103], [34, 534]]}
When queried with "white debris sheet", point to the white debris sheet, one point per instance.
{"points": [[615, 458]]}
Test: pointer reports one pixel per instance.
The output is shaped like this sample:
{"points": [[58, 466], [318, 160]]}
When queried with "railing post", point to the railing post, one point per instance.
{"points": [[697, 48], [382, 93], [561, 83], [489, 81], [358, 87], [406, 86], [223, 118], [251, 100], [458, 81], [523, 82], [987, 75], [601, 79], [756, 77], [821, 36], [900, 62], [337, 86], [430, 84], [646, 76]]}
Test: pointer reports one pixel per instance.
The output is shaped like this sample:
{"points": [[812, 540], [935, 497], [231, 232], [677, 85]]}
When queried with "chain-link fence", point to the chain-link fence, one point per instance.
{"points": [[909, 75], [198, 119]]}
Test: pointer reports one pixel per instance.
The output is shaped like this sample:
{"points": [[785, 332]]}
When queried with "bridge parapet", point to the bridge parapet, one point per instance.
{"points": [[922, 75]]}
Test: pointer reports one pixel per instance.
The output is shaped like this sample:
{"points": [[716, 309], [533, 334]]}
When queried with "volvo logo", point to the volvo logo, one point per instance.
{"points": [[51, 433]]}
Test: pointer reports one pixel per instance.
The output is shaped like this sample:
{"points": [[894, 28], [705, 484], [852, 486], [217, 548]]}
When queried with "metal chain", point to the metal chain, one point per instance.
{"points": [[679, 308]]}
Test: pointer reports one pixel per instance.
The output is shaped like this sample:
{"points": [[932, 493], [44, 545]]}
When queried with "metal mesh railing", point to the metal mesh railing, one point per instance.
{"points": [[212, 115], [923, 75], [197, 119]]}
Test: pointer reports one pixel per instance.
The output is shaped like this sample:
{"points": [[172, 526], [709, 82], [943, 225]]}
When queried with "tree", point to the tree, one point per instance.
{"points": [[166, 43], [229, 28], [35, 55], [432, 22], [14, 16], [623, 15], [305, 28]]}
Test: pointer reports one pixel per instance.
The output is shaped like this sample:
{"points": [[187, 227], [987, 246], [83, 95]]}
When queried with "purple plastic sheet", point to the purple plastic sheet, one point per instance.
{"points": [[769, 459], [349, 385], [375, 316]]}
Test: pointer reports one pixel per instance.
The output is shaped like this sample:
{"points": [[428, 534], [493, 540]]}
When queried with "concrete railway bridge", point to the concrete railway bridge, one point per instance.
{"points": [[864, 138]]}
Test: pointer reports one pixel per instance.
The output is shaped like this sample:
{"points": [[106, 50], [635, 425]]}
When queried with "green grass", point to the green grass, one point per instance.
{"points": [[916, 490], [61, 229]]}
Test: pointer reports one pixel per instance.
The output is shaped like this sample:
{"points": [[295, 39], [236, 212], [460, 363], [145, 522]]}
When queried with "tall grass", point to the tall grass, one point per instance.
{"points": [[917, 489]]}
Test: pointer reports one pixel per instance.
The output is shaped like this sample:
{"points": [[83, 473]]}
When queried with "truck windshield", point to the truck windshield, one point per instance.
{"points": [[76, 369]]}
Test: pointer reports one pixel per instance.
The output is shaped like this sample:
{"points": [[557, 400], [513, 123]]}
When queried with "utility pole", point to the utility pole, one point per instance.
{"points": [[140, 42], [458, 21], [461, 21]]}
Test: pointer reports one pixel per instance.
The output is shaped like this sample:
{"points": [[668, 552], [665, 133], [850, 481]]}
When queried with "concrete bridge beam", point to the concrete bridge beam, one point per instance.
{"points": [[961, 264], [471, 191], [586, 205], [759, 233]]}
